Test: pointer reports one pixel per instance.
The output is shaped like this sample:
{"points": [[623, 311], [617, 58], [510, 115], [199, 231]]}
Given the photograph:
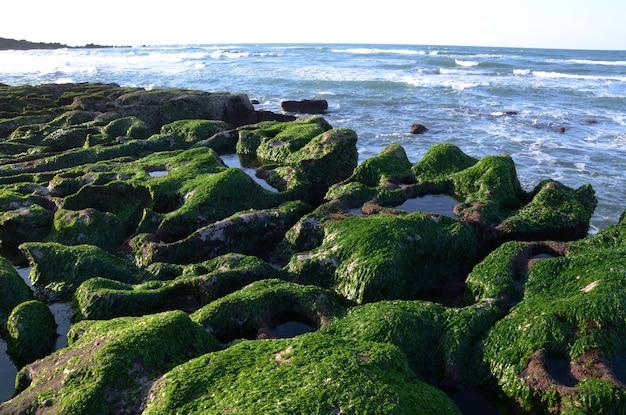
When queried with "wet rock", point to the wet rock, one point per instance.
{"points": [[255, 232], [88, 226], [13, 291], [418, 129], [59, 269], [187, 288], [378, 257], [559, 345], [257, 309], [128, 352], [31, 332], [307, 106], [283, 367]]}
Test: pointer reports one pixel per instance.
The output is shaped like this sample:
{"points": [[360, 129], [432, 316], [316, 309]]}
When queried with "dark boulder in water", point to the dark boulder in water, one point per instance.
{"points": [[307, 106], [418, 129]]}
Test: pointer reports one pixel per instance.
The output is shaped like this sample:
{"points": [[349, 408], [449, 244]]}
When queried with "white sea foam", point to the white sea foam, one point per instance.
{"points": [[594, 62], [374, 51], [466, 63], [521, 72]]}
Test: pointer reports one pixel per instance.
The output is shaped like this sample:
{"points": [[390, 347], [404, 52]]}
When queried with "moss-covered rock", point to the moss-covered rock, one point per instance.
{"points": [[31, 332], [217, 197], [378, 257], [87, 227], [185, 288], [391, 163], [254, 232], [108, 365], [126, 201], [193, 131], [309, 374], [59, 269], [28, 223], [13, 291], [257, 309], [563, 343]]}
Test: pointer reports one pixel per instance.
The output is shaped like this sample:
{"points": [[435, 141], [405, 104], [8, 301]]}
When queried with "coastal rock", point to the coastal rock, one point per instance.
{"points": [[59, 269], [13, 291], [175, 288], [121, 201], [126, 352], [31, 332], [561, 344], [418, 129], [349, 375], [306, 106]]}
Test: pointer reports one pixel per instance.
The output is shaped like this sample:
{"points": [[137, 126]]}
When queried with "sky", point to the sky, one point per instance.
{"points": [[560, 24]]}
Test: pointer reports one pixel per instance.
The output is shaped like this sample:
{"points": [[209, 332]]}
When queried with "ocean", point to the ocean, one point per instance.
{"points": [[560, 114]]}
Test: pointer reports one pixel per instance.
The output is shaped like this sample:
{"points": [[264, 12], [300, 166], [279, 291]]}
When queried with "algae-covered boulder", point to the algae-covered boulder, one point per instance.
{"points": [[378, 257], [258, 309], [31, 332], [108, 365], [59, 269], [126, 201], [309, 374], [13, 291], [25, 221], [561, 348], [88, 226], [218, 196], [187, 288], [252, 232]]}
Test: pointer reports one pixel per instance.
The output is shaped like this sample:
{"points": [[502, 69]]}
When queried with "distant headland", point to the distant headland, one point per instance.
{"points": [[6, 44]]}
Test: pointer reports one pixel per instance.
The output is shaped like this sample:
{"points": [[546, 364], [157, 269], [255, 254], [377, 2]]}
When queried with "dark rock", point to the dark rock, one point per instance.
{"points": [[307, 106], [418, 129]]}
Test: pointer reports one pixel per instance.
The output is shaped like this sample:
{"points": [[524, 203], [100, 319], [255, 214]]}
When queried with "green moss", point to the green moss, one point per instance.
{"points": [[124, 200], [31, 332], [391, 164], [310, 374], [213, 199], [190, 288], [416, 327], [28, 223], [495, 276], [442, 160], [88, 226], [263, 304], [126, 352], [392, 257], [291, 138], [131, 127], [59, 269], [573, 307], [554, 206], [13, 291], [194, 130]]}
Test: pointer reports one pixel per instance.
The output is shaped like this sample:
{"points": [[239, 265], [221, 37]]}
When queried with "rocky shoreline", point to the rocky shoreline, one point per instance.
{"points": [[184, 273]]}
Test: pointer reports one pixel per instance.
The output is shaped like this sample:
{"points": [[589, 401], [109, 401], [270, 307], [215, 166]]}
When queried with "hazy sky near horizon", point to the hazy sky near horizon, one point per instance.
{"points": [[562, 24]]}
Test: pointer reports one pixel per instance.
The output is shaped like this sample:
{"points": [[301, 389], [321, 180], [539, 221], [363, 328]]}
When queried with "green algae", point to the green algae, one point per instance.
{"points": [[381, 257], [255, 310], [127, 352], [251, 232], [59, 269], [87, 226], [213, 199], [572, 310], [13, 291], [391, 163], [31, 332], [184, 287], [309, 374]]}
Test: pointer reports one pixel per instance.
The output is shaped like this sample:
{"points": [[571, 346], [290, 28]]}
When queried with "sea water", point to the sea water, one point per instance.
{"points": [[560, 114]]}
